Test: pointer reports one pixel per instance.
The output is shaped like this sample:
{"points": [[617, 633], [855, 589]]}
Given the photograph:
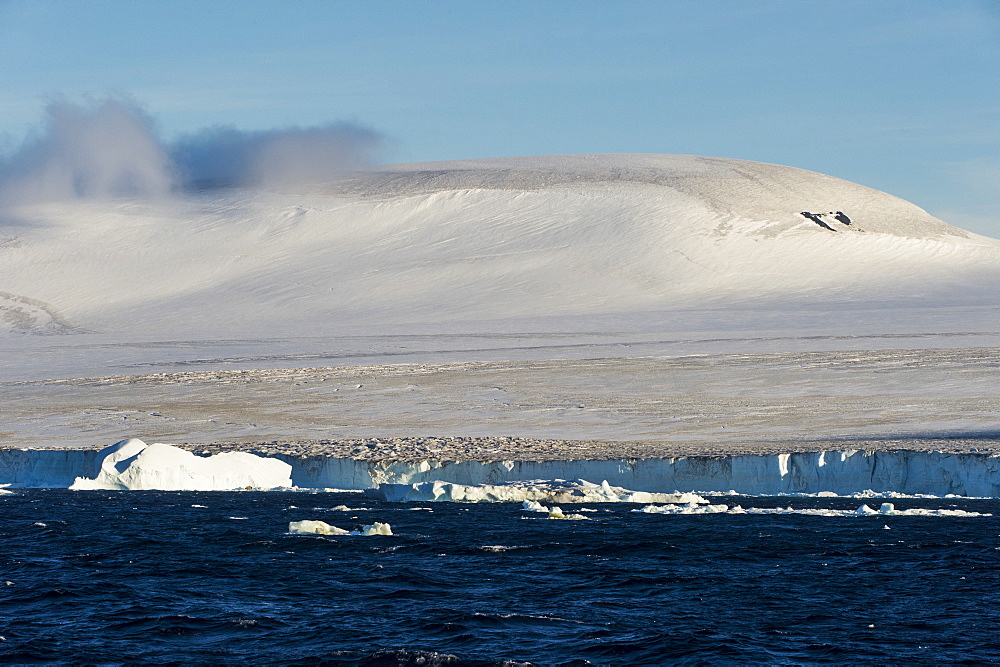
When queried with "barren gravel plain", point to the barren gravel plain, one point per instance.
{"points": [[620, 397]]}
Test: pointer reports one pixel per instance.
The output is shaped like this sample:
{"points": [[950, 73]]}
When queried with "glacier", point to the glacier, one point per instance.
{"points": [[844, 472]]}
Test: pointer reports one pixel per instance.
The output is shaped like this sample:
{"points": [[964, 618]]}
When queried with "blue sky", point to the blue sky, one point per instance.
{"points": [[901, 96]]}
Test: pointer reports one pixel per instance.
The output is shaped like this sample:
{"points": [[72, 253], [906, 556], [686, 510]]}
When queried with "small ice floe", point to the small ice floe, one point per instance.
{"points": [[533, 506], [552, 491], [557, 513], [310, 527], [554, 512], [689, 508], [867, 494], [3, 490], [320, 489], [340, 508], [496, 548], [886, 509], [888, 494], [889, 509]]}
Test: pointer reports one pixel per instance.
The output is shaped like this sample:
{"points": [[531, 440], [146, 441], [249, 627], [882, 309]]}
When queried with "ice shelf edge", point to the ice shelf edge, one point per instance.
{"points": [[842, 472]]}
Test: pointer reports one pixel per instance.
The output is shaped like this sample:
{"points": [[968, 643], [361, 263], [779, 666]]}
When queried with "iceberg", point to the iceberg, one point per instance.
{"points": [[556, 491], [312, 527], [133, 465]]}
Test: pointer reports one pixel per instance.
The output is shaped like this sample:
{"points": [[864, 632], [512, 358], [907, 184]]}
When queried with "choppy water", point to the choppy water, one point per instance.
{"points": [[215, 578]]}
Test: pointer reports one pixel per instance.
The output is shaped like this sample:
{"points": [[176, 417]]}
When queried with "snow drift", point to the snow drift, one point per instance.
{"points": [[467, 244]]}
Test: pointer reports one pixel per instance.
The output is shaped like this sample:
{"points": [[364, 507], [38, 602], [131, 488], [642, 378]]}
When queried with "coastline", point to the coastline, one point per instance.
{"points": [[403, 449], [534, 450], [961, 467]]}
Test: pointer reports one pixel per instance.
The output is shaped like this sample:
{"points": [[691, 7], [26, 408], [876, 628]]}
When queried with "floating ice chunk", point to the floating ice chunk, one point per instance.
{"points": [[690, 508], [887, 509], [376, 528], [315, 527], [557, 513], [310, 527], [133, 465], [867, 494], [553, 491], [917, 511], [3, 489], [533, 506]]}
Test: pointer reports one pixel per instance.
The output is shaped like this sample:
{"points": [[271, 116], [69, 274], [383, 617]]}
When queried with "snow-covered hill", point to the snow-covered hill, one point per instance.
{"points": [[466, 244]]}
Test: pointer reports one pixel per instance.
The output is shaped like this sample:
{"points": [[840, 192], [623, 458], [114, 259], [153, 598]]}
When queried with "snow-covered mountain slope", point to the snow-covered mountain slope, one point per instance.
{"points": [[462, 244]]}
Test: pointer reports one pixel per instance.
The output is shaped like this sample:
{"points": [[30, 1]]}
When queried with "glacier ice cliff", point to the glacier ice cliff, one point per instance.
{"points": [[841, 472]]}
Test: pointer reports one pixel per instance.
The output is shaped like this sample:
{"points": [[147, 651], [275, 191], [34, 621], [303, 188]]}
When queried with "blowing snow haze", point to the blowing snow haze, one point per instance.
{"points": [[106, 150], [111, 149], [273, 158]]}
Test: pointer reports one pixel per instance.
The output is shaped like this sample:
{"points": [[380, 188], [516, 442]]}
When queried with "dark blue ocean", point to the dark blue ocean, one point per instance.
{"points": [[164, 577]]}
